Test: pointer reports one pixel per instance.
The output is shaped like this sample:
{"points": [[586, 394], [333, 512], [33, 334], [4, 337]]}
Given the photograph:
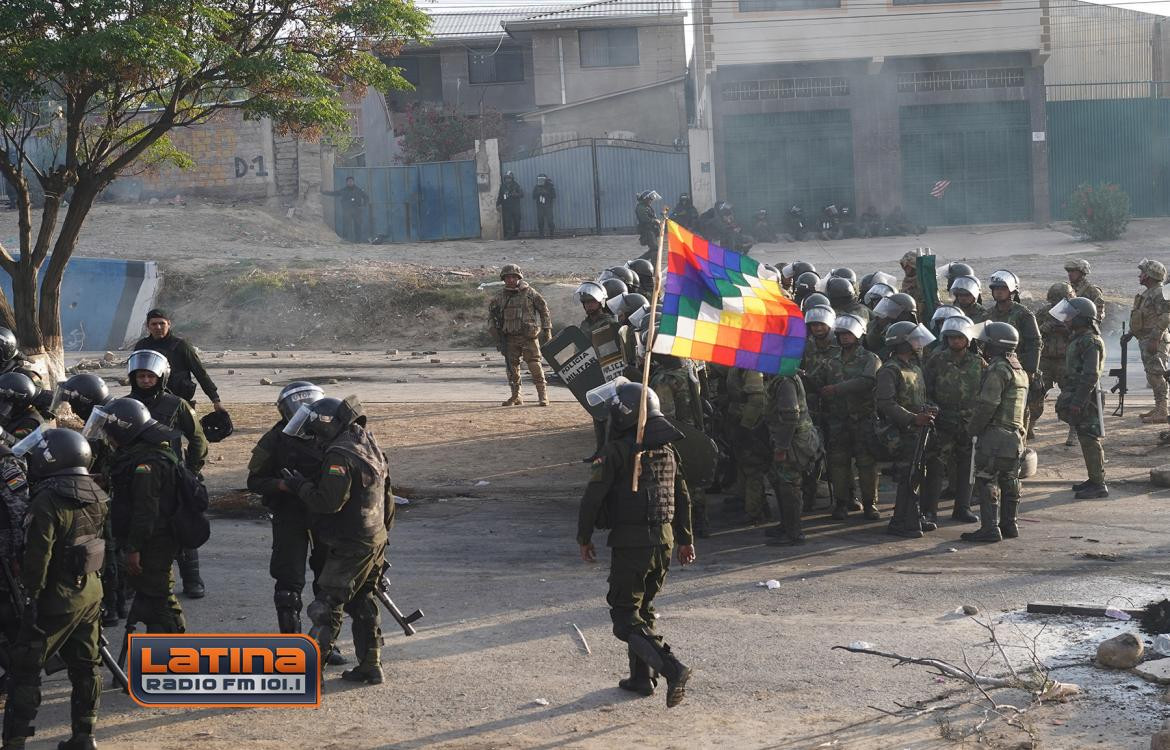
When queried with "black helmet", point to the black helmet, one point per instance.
{"points": [[1086, 309], [623, 410], [626, 304], [150, 361], [121, 420], [217, 425], [614, 288], [864, 285], [7, 344], [801, 267], [52, 452], [999, 338], [807, 281], [840, 289], [723, 208], [82, 392], [645, 271], [326, 418], [955, 270], [1075, 311], [16, 389], [296, 393], [844, 273], [813, 300], [626, 275]]}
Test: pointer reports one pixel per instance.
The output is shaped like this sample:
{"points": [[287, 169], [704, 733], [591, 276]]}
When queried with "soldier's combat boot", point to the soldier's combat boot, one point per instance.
{"points": [[842, 481], [988, 517], [78, 742], [288, 610], [639, 681], [1007, 519], [906, 521], [370, 674], [1158, 413], [790, 508], [658, 657], [189, 571], [542, 394], [928, 496], [867, 488], [1093, 492], [962, 509]]}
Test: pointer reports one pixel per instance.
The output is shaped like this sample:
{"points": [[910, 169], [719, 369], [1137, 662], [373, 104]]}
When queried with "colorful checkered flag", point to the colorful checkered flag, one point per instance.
{"points": [[939, 188]]}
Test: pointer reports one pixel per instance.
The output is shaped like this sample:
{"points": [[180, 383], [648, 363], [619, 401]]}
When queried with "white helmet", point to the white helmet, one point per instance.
{"points": [[850, 323], [968, 284], [877, 292], [942, 312], [820, 314], [958, 324], [591, 290], [1005, 279]]}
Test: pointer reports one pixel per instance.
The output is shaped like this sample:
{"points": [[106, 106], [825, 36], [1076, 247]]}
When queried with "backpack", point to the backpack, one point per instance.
{"points": [[189, 521]]}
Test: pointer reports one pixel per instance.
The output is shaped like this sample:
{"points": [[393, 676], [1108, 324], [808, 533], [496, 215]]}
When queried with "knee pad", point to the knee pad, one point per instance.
{"points": [[1010, 488], [320, 610], [284, 599]]}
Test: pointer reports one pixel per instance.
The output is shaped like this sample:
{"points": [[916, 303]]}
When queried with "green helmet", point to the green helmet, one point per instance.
{"points": [[1060, 290], [1077, 264], [510, 269]]}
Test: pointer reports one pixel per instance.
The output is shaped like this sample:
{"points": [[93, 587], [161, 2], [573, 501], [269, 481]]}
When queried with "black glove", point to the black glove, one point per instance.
{"points": [[294, 479]]}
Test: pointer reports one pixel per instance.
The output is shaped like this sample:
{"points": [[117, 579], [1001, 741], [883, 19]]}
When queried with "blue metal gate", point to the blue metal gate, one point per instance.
{"points": [[431, 201], [597, 182]]}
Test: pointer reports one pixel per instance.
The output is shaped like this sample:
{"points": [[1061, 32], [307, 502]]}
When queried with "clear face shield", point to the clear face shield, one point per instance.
{"points": [[881, 277], [298, 426], [1064, 311], [943, 312], [888, 309], [820, 314], [95, 426], [920, 337], [958, 325], [33, 440], [149, 360], [877, 292], [849, 324], [60, 396], [605, 393]]}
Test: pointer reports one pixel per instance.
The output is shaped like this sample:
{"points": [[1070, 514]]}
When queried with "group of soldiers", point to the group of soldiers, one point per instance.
{"points": [[91, 521]]}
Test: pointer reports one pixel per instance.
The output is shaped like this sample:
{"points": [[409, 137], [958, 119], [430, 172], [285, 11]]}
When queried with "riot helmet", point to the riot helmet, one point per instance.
{"points": [[876, 294], [820, 314], [814, 299], [8, 345], [968, 284], [956, 269], [1060, 290], [957, 325], [807, 282], [844, 273], [645, 271], [840, 290], [148, 360], [614, 288], [895, 306], [591, 290], [800, 267], [999, 338], [647, 196], [16, 390], [1076, 311], [623, 408], [325, 418], [296, 393], [1003, 279], [914, 335], [82, 392], [51, 452], [118, 421], [626, 304], [849, 323], [942, 312], [625, 274]]}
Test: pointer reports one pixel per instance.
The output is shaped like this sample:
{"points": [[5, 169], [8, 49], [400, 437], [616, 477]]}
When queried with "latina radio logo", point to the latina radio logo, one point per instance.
{"points": [[224, 671]]}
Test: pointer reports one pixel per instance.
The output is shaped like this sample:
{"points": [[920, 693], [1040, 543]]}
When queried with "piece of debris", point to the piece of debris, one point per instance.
{"points": [[1160, 476], [332, 381], [435, 360], [272, 355], [1156, 670], [952, 549], [1060, 692], [401, 500], [1117, 614], [861, 645], [482, 483], [1078, 610], [769, 584], [1105, 556], [584, 642], [1161, 644], [392, 352], [1120, 652], [970, 610], [265, 381], [541, 701], [109, 357], [1155, 617]]}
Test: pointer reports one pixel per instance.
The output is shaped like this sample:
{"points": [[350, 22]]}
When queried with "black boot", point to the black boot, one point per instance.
{"points": [[288, 610], [1007, 519], [658, 656], [370, 674], [988, 516], [639, 681], [78, 742], [906, 521], [790, 508], [189, 571]]}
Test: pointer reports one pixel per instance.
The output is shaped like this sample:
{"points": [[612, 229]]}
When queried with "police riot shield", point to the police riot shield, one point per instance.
{"points": [[698, 453], [572, 356], [607, 342]]}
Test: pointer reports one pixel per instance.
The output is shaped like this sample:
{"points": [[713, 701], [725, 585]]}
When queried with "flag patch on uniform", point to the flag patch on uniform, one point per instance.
{"points": [[142, 469], [337, 470], [15, 483]]}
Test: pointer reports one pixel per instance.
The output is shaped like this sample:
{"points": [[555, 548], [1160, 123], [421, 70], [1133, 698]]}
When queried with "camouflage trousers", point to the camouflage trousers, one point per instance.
{"points": [[1053, 373], [1154, 364], [348, 580], [518, 349]]}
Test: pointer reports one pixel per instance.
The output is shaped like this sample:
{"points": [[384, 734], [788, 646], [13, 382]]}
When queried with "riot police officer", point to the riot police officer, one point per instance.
{"points": [[997, 423], [649, 225], [843, 298], [952, 374], [11, 359], [18, 413], [1079, 403], [1006, 308], [849, 397], [544, 195]]}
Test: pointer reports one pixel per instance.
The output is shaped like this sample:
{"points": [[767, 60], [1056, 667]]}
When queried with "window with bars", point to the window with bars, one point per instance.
{"points": [[959, 80], [608, 48], [785, 88], [503, 65]]}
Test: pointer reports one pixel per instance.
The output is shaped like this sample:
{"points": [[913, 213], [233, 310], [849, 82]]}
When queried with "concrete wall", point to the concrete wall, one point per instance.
{"points": [[661, 56], [657, 115], [487, 172], [234, 158], [1101, 44], [469, 98], [868, 30], [702, 153]]}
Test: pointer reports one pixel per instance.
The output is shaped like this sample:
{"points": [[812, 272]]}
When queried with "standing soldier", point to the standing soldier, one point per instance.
{"points": [[644, 526], [1055, 335], [597, 316], [952, 376], [519, 316], [64, 551], [544, 194], [353, 202], [291, 546], [747, 404], [1148, 323], [899, 307], [821, 352], [1080, 391], [185, 366], [796, 450], [676, 384], [910, 283], [849, 398], [143, 477], [843, 298], [508, 201], [1006, 308], [649, 225], [968, 298], [352, 506], [900, 398], [1078, 279], [149, 373], [997, 423]]}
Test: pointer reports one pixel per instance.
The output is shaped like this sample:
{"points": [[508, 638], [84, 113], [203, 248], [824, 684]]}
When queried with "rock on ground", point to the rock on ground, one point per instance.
{"points": [[1120, 652]]}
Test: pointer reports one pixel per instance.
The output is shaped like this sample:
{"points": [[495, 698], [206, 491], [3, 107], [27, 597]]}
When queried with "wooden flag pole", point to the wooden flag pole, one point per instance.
{"points": [[651, 331]]}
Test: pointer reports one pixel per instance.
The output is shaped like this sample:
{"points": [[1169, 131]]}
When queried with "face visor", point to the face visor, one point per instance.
{"points": [[31, 441], [1006, 279], [851, 324], [605, 393], [1064, 311], [965, 284], [95, 426], [820, 314], [149, 360], [888, 309], [299, 425], [943, 312], [958, 325], [920, 337], [878, 292]]}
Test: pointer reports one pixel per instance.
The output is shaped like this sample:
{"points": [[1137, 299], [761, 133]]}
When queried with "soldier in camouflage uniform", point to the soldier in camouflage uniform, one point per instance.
{"points": [[848, 394], [821, 351], [843, 298], [1148, 323], [900, 398], [64, 551], [952, 373], [644, 526], [910, 284], [747, 404], [679, 397], [796, 451], [997, 423], [1080, 391], [967, 294], [521, 323], [898, 307], [1055, 335], [1006, 308], [597, 316], [1078, 278]]}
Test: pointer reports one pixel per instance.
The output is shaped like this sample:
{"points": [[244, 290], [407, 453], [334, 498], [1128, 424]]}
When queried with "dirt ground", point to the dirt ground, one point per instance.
{"points": [[486, 547]]}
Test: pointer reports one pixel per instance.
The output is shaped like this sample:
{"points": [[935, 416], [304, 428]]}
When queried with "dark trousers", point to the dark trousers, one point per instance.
{"points": [[511, 212], [544, 217], [350, 225], [636, 575]]}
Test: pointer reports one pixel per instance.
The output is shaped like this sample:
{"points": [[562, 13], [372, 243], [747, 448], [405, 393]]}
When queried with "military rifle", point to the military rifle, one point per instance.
{"points": [[1121, 387], [918, 466], [382, 591], [54, 663]]}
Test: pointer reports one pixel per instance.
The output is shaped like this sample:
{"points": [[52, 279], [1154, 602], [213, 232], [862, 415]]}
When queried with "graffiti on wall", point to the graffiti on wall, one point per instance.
{"points": [[255, 167]]}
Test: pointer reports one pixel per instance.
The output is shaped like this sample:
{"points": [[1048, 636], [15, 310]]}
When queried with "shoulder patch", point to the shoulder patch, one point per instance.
{"points": [[337, 470], [142, 469]]}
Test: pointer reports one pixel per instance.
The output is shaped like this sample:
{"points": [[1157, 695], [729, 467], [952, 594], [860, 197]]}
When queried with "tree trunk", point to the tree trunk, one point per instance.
{"points": [[24, 306]]}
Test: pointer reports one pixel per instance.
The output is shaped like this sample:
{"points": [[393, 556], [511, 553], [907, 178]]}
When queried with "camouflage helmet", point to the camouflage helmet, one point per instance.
{"points": [[1077, 264], [909, 258], [510, 269], [1153, 269], [1060, 290]]}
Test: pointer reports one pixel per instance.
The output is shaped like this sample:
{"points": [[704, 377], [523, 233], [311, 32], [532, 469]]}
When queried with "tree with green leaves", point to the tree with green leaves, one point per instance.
{"points": [[90, 89]]}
